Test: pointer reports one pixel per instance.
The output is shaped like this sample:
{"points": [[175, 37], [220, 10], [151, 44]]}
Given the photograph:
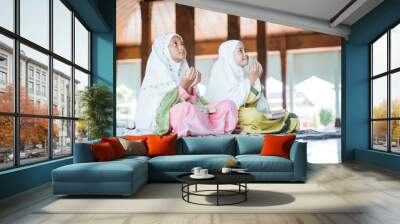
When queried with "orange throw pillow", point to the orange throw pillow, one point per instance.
{"points": [[136, 137], [103, 152], [161, 145], [277, 145], [116, 145]]}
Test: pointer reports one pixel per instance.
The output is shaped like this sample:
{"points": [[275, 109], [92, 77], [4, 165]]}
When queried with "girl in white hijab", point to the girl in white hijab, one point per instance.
{"points": [[168, 100], [229, 80]]}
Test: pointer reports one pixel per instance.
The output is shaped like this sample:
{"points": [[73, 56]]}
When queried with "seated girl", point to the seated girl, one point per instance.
{"points": [[168, 99], [229, 80]]}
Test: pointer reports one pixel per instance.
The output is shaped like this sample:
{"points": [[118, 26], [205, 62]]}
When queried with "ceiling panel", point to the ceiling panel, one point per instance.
{"points": [[209, 25], [321, 9]]}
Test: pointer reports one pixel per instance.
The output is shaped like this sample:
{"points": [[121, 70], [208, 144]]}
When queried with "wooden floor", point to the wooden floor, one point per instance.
{"points": [[377, 188]]}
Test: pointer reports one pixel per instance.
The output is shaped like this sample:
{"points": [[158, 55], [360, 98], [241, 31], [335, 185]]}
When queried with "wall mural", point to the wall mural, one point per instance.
{"points": [[167, 95], [169, 100]]}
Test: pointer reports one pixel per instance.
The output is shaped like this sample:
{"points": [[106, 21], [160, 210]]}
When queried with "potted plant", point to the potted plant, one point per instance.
{"points": [[96, 104]]}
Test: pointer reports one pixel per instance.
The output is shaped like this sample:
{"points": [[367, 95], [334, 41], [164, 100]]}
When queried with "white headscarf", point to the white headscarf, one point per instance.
{"points": [[161, 76], [228, 80]]}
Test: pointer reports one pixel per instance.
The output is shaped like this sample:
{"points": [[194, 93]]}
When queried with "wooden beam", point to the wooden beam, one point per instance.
{"points": [[210, 47], [233, 27], [145, 47], [293, 42], [283, 55], [311, 41], [128, 52], [185, 27], [262, 49]]}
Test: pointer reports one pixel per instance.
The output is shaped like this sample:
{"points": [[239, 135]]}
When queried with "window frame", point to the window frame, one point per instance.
{"points": [[388, 74], [16, 114]]}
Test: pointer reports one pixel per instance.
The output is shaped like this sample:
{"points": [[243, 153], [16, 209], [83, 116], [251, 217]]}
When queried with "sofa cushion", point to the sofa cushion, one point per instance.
{"points": [[116, 145], [136, 137], [257, 163], [134, 147], [111, 171], [277, 145], [103, 152], [207, 145], [249, 144], [161, 145], [185, 163]]}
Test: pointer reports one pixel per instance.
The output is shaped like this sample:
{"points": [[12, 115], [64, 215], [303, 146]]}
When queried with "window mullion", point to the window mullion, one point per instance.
{"points": [[371, 140], [389, 107], [389, 92], [50, 81], [16, 84], [73, 82]]}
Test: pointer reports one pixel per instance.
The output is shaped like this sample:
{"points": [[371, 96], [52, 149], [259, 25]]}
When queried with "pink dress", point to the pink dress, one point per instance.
{"points": [[187, 119]]}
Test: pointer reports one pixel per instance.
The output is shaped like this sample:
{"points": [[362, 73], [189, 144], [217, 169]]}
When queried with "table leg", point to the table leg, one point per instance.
{"points": [[182, 189], [217, 194], [245, 193], [188, 190], [196, 187]]}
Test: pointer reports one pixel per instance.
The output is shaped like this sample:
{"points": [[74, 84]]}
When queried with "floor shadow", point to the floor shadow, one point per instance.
{"points": [[255, 198]]}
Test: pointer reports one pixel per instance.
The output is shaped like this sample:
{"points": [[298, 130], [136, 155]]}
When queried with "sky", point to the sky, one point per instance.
{"points": [[35, 27]]}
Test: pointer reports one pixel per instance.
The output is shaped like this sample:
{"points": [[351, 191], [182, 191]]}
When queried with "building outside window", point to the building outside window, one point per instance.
{"points": [[3, 72], [44, 77], [38, 89], [30, 87], [3, 77], [43, 90], [3, 61], [37, 75], [30, 72]]}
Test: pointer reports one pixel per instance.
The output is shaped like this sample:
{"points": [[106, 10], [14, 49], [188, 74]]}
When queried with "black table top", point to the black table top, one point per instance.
{"points": [[220, 178]]}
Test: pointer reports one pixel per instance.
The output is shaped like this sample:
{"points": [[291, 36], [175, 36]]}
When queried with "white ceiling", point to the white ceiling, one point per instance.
{"points": [[321, 9], [312, 15]]}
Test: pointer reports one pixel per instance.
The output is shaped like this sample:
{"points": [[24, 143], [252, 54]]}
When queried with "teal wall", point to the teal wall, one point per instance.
{"points": [[104, 53], [355, 82], [24, 178], [99, 15]]}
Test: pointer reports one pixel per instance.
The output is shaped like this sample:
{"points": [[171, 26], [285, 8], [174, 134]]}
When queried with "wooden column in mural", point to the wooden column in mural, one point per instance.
{"points": [[262, 49], [145, 47], [185, 27], [283, 54], [233, 27]]}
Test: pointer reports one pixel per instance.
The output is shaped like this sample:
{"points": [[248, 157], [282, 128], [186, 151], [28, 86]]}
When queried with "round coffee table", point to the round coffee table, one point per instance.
{"points": [[238, 179]]}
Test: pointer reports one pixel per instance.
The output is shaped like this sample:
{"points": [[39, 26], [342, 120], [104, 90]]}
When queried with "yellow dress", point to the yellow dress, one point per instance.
{"points": [[254, 122]]}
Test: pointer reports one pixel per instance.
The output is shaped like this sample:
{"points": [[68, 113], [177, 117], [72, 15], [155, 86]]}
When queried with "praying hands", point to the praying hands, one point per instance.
{"points": [[255, 71], [191, 78]]}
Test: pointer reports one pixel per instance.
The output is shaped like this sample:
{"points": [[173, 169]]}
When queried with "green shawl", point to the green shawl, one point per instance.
{"points": [[171, 99]]}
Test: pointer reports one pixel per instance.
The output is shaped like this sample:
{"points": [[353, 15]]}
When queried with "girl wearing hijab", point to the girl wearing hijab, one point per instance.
{"points": [[168, 99], [230, 81]]}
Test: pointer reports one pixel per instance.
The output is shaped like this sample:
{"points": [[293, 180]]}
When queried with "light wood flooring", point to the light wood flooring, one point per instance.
{"points": [[377, 188]]}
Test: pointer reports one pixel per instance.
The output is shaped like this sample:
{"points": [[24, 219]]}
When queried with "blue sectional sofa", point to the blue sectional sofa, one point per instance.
{"points": [[125, 176]]}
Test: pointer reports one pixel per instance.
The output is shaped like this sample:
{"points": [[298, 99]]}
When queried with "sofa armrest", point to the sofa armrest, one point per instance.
{"points": [[298, 155], [83, 152]]}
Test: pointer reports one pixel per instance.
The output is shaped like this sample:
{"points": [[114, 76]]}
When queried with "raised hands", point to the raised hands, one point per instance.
{"points": [[255, 71], [191, 78]]}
